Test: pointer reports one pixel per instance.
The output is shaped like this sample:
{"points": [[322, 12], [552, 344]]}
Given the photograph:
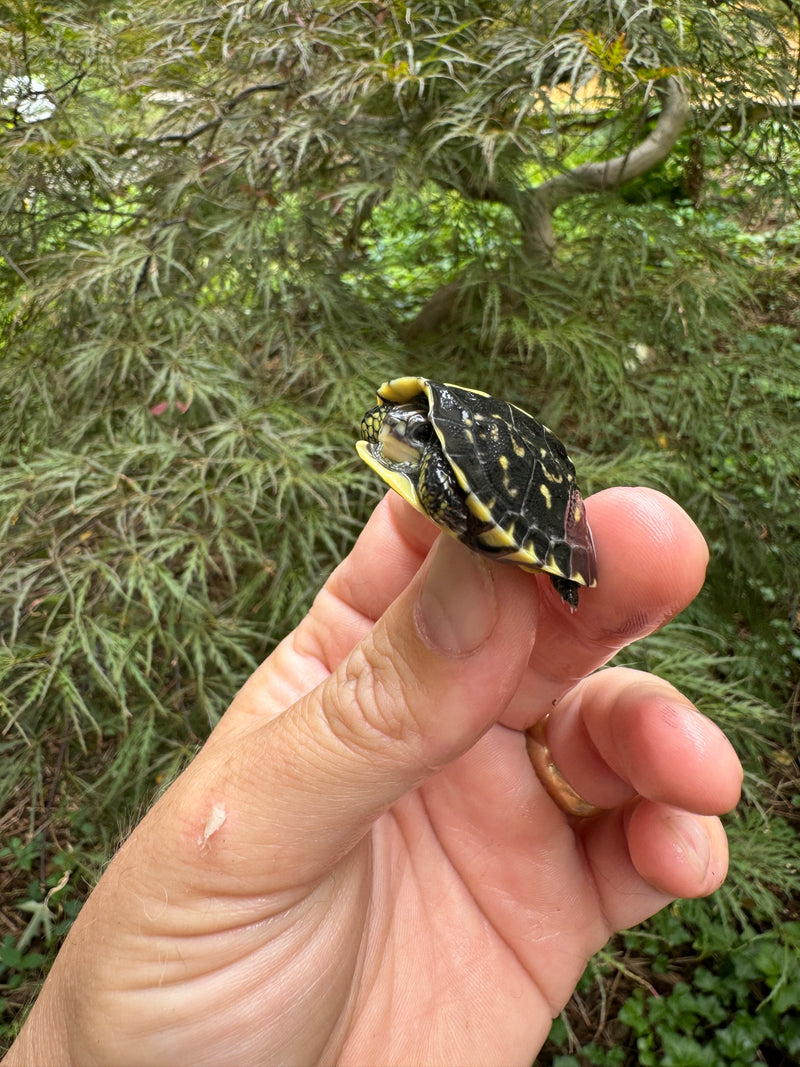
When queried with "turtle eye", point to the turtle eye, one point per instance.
{"points": [[418, 430]]}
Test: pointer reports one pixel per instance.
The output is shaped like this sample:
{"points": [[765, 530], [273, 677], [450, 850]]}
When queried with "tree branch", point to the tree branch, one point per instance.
{"points": [[212, 124], [611, 173], [535, 207], [538, 239]]}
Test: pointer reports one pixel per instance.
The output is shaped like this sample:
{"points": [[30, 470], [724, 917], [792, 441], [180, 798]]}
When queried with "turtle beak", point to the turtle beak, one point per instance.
{"points": [[395, 479]]}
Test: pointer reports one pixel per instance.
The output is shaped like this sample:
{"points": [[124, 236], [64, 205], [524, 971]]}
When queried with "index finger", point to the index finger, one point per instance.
{"points": [[651, 562], [388, 553]]}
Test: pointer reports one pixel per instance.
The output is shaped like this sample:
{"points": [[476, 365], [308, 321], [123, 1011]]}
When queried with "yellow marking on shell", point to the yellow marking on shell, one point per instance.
{"points": [[576, 515], [498, 538], [509, 488], [532, 554], [461, 478], [477, 392], [547, 497], [552, 475], [528, 562], [525, 560], [531, 568], [398, 390], [519, 449], [553, 568], [481, 511]]}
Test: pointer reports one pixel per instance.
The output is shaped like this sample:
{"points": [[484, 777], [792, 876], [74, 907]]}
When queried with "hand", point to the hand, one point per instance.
{"points": [[361, 865]]}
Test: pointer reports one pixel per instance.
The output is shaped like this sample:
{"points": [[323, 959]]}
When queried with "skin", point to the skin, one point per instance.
{"points": [[361, 866]]}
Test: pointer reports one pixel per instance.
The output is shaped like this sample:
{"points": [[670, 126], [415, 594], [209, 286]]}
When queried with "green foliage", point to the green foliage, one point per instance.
{"points": [[222, 224], [736, 1009], [49, 906], [175, 540], [748, 1002]]}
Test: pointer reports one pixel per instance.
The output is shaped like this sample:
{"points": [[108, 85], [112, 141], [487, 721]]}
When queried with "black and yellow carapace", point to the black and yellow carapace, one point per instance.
{"points": [[487, 472]]}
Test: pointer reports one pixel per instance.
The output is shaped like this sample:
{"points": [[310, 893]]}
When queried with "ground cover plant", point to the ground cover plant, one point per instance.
{"points": [[222, 225]]}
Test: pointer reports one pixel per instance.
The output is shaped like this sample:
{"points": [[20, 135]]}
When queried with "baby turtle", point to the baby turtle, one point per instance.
{"points": [[487, 472]]}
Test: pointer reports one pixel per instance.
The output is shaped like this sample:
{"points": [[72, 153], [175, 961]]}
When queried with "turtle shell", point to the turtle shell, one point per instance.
{"points": [[518, 483]]}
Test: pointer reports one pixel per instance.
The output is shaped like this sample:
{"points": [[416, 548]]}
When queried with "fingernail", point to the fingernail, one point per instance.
{"points": [[691, 842], [457, 609]]}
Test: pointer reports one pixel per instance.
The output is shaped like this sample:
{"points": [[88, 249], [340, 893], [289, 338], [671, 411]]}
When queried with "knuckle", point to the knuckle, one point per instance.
{"points": [[375, 704]]}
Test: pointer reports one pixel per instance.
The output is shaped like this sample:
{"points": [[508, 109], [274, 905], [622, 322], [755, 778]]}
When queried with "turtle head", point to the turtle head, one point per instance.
{"points": [[395, 440], [397, 436]]}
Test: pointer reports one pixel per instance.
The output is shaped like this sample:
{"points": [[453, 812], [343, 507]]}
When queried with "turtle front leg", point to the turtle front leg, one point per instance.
{"points": [[440, 494]]}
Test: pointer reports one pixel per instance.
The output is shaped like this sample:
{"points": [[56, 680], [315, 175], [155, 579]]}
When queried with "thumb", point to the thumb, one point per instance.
{"points": [[434, 673]]}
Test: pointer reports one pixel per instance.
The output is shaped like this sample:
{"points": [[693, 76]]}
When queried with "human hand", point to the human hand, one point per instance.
{"points": [[361, 866]]}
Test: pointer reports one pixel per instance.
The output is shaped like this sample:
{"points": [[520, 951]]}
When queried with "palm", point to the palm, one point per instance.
{"points": [[487, 914], [362, 866]]}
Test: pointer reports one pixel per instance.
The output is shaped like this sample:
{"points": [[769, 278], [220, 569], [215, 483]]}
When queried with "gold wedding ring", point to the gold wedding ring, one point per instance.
{"points": [[558, 788]]}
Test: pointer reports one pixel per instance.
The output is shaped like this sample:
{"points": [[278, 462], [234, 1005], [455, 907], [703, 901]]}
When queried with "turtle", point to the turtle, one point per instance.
{"points": [[486, 472]]}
